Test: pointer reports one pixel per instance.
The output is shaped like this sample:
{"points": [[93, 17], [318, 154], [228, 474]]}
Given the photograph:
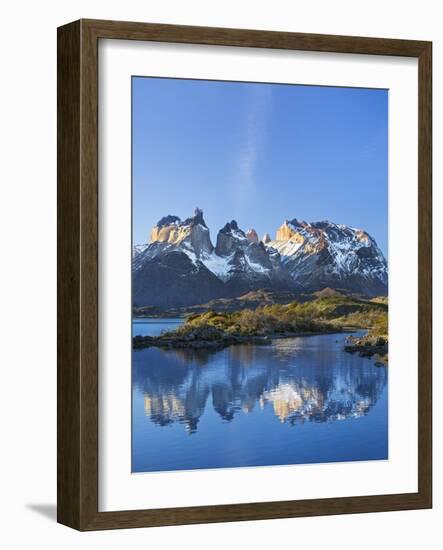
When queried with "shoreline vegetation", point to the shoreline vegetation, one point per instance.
{"points": [[218, 330], [327, 312]]}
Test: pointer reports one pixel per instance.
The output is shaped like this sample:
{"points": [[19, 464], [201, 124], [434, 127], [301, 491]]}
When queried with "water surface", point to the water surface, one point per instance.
{"points": [[300, 400], [154, 326]]}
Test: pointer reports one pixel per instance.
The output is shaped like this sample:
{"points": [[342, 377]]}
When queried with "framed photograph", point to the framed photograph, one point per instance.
{"points": [[244, 275]]}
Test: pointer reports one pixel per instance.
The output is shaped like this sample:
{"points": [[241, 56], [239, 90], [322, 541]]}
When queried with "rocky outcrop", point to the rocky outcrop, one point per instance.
{"points": [[249, 264], [192, 232], [229, 238], [162, 231], [266, 238], [291, 231], [252, 236], [367, 346]]}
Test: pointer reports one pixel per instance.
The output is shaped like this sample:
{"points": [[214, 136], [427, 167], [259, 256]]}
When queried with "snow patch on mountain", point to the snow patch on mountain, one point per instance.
{"points": [[256, 267], [284, 248], [219, 265]]}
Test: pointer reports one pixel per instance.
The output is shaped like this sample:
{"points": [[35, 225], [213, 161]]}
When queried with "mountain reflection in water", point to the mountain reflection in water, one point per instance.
{"points": [[301, 379]]}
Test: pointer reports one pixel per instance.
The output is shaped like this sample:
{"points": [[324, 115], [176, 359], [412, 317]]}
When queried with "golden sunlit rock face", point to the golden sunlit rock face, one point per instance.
{"points": [[362, 236], [287, 233], [172, 234], [192, 233]]}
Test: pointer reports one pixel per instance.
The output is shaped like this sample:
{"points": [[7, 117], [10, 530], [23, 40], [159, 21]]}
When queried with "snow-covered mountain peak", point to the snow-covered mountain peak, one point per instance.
{"points": [[334, 254], [181, 260]]}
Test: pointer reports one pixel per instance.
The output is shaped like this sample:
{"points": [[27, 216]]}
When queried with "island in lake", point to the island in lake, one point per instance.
{"points": [[326, 312]]}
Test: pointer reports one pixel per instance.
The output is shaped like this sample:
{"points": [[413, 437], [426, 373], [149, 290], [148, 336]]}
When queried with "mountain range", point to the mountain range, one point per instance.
{"points": [[181, 267]]}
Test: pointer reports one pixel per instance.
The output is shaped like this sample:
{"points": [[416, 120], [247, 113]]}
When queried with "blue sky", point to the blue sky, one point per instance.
{"points": [[259, 154]]}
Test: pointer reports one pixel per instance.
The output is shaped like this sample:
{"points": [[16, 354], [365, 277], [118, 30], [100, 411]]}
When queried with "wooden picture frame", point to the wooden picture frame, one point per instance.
{"points": [[78, 274]]}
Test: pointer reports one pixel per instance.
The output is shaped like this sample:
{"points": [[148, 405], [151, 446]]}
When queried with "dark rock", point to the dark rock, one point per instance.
{"points": [[168, 220], [171, 279]]}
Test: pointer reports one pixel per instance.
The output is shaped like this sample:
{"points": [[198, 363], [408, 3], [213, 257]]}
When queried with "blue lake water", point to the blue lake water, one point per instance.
{"points": [[297, 401], [154, 327]]}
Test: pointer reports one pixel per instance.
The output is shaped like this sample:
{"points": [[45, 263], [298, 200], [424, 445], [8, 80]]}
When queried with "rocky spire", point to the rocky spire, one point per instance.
{"points": [[196, 219], [252, 236], [229, 238]]}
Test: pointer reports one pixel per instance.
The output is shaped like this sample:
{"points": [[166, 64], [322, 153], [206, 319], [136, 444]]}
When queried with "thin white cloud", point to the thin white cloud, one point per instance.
{"points": [[254, 136]]}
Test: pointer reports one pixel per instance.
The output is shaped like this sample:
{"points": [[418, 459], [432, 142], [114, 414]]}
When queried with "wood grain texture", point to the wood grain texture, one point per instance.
{"points": [[78, 274], [425, 273], [68, 275], [254, 38]]}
